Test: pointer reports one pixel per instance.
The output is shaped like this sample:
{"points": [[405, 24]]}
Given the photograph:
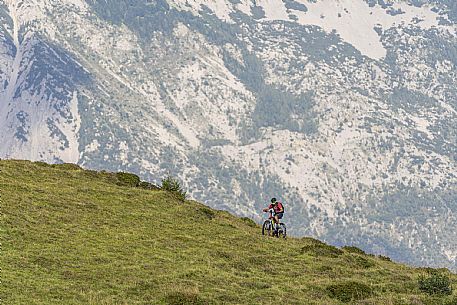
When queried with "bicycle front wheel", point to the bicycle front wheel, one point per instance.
{"points": [[266, 228]]}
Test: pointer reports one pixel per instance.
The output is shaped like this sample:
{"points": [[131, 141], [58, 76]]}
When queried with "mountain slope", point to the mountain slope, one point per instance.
{"points": [[71, 236], [345, 109]]}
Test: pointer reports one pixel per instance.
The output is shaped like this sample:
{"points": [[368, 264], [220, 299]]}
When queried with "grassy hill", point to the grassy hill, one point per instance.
{"points": [[72, 236]]}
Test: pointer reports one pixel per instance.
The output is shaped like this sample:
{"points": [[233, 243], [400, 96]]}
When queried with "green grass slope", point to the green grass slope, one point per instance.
{"points": [[71, 236]]}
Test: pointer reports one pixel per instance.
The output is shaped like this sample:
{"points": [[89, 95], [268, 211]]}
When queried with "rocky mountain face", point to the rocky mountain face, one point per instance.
{"points": [[346, 110]]}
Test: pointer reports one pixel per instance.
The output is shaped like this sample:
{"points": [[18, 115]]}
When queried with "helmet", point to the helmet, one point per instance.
{"points": [[273, 200]]}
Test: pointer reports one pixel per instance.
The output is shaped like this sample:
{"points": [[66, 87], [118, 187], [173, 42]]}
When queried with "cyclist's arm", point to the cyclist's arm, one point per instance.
{"points": [[267, 208]]}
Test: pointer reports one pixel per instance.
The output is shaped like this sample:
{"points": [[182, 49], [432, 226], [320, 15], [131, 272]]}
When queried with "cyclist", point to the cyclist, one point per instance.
{"points": [[278, 210]]}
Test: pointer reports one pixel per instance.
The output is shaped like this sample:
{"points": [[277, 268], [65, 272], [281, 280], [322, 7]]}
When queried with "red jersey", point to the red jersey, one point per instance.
{"points": [[278, 208]]}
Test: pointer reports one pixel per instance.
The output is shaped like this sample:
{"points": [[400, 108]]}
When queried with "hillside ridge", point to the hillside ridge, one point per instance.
{"points": [[75, 236]]}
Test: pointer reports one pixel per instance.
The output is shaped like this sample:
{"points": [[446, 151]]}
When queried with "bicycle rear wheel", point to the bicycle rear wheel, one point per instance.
{"points": [[282, 230], [266, 228]]}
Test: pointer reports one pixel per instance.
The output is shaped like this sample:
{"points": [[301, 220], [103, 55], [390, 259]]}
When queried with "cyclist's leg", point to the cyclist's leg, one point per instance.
{"points": [[276, 222], [277, 219]]}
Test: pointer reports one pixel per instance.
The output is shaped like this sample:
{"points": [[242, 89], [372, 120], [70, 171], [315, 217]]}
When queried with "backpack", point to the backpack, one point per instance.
{"points": [[282, 205]]}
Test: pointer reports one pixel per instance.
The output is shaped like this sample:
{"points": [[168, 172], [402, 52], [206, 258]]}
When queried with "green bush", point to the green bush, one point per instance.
{"points": [[435, 283], [318, 248], [207, 212], [148, 186], [67, 166], [173, 186], [127, 179], [384, 258], [428, 270], [349, 291], [358, 262], [352, 249], [41, 163], [249, 222]]}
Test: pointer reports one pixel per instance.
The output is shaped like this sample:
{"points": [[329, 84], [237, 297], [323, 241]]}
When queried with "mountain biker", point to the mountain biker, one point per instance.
{"points": [[278, 210]]}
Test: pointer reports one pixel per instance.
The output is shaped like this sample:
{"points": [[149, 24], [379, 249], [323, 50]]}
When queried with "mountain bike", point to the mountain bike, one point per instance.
{"points": [[269, 225]]}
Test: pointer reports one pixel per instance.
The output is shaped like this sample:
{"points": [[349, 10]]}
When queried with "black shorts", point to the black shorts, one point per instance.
{"points": [[280, 215]]}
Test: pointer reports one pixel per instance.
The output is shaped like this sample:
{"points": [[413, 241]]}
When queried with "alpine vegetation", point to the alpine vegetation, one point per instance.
{"points": [[74, 236], [344, 108]]}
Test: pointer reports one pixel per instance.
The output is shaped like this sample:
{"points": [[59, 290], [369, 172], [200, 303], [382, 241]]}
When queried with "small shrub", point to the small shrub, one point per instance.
{"points": [[439, 271], [359, 262], [173, 186], [349, 291], [207, 212], [127, 179], [428, 270], [108, 177], [67, 166], [352, 249], [435, 283], [249, 222], [384, 258], [320, 249], [91, 173], [148, 186], [41, 163]]}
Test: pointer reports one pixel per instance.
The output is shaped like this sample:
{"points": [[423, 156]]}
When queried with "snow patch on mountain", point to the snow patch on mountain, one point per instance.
{"points": [[274, 10], [354, 20]]}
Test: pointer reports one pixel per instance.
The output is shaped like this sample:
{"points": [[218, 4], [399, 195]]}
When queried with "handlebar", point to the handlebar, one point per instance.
{"points": [[271, 211]]}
